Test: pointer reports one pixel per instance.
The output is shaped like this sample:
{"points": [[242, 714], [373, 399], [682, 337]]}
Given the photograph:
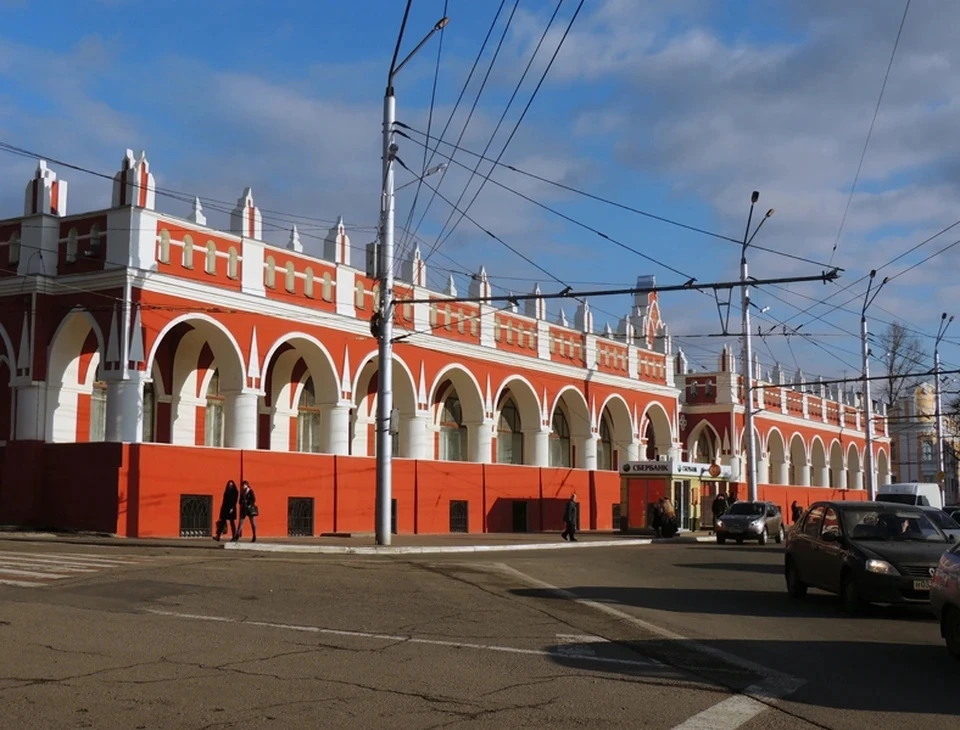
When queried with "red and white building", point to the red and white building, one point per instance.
{"points": [[146, 359]]}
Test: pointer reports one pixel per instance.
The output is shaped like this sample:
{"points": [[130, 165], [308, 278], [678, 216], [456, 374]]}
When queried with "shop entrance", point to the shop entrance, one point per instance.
{"points": [[644, 483]]}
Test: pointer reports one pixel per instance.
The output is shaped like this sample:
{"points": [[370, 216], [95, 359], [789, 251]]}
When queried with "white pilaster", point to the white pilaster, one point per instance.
{"points": [[543, 339], [801, 473], [537, 444], [589, 453], [31, 409], [823, 473], [480, 441], [487, 326], [184, 419], [633, 451], [125, 410], [415, 437], [782, 472], [240, 415], [346, 281], [335, 433], [858, 480], [763, 470]]}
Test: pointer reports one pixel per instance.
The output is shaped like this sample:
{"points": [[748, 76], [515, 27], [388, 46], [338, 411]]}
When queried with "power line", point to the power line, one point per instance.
{"points": [[873, 121]]}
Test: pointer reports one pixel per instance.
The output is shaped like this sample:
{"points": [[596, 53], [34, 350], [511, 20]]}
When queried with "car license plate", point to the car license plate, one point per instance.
{"points": [[736, 529], [921, 585]]}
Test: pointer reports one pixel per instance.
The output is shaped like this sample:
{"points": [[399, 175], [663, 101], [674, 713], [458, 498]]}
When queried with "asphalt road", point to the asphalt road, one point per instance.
{"points": [[671, 636]]}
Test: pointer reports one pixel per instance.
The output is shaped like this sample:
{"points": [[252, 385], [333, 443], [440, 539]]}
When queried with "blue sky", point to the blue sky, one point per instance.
{"points": [[680, 111]]}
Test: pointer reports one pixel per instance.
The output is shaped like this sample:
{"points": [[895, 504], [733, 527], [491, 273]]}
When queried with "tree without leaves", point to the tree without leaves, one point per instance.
{"points": [[903, 354]]}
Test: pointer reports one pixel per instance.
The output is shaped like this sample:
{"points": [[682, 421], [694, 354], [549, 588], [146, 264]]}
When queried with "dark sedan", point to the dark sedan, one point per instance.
{"points": [[866, 552]]}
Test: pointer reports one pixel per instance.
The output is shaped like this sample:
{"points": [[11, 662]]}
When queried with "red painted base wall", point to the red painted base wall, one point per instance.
{"points": [[135, 489]]}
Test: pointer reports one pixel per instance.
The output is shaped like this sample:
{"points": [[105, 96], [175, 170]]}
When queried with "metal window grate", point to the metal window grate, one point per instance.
{"points": [[196, 515], [300, 516], [616, 517], [459, 512]]}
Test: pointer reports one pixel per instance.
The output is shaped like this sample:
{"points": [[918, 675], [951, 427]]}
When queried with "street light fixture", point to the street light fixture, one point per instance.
{"points": [[941, 477], [868, 400], [432, 171], [747, 364], [385, 427]]}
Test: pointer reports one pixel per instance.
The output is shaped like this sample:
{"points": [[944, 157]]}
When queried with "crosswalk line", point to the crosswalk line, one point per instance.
{"points": [[77, 564], [32, 573], [75, 556], [46, 565], [22, 583]]}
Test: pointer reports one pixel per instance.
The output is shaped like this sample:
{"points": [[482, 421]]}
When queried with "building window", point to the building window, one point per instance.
{"points": [[605, 445], [72, 246], [233, 263], [270, 276], [164, 256], [327, 287], [149, 413], [94, 249], [187, 252], [308, 283], [291, 278], [308, 420], [453, 434], [13, 249], [210, 266], [926, 451], [560, 439], [213, 420], [98, 412], [705, 450], [509, 435]]}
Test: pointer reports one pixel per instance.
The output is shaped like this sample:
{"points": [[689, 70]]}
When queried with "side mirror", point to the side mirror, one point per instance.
{"points": [[830, 537]]}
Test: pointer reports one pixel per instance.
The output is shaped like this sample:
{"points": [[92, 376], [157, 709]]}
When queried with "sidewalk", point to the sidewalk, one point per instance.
{"points": [[363, 544]]}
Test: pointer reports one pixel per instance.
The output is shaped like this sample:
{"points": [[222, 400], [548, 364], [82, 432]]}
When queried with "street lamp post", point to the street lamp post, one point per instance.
{"points": [[944, 323], [385, 427], [747, 364], [867, 398]]}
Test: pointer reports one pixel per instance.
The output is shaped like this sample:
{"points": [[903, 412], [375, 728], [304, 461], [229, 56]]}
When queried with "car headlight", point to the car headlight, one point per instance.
{"points": [[882, 567], [719, 522], [757, 524]]}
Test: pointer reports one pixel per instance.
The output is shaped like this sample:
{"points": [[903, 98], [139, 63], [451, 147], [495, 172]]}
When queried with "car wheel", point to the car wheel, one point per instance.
{"points": [[763, 536], [950, 627], [850, 596], [779, 537], [795, 587]]}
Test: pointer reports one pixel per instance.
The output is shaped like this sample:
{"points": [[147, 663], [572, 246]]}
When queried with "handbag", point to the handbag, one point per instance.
{"points": [[253, 510]]}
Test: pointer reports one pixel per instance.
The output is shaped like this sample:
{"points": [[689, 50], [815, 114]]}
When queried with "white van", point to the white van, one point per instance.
{"points": [[916, 493]]}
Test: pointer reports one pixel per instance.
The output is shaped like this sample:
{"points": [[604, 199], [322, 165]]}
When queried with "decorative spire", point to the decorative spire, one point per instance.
{"points": [[451, 290], [45, 194], [197, 215], [414, 268], [584, 317], [294, 243], [480, 285], [536, 308], [134, 184], [245, 220], [336, 246], [562, 318]]}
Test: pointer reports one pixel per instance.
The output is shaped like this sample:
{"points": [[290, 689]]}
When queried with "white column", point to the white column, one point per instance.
{"points": [[31, 412], [884, 479], [415, 437], [480, 441], [589, 458], [782, 473], [841, 479], [802, 474], [858, 480], [537, 445], [633, 452], [280, 428], [240, 415], [335, 428], [125, 410], [184, 419], [763, 470], [675, 452], [824, 474]]}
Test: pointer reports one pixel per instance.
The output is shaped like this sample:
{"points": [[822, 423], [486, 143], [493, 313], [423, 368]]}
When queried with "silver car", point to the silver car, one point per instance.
{"points": [[750, 521], [944, 521], [945, 598]]}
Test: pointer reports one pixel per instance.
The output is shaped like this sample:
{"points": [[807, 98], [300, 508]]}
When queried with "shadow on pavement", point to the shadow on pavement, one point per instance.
{"points": [[745, 547], [860, 676], [766, 568]]}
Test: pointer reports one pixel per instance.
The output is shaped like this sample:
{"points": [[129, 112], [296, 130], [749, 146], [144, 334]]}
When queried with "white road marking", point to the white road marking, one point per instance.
{"points": [[21, 583], [45, 565], [50, 567], [84, 557], [753, 700], [32, 573], [407, 639]]}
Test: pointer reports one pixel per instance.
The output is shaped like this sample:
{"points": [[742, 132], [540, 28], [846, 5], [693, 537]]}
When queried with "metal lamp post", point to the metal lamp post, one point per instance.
{"points": [[867, 399], [385, 428], [747, 364], [941, 477]]}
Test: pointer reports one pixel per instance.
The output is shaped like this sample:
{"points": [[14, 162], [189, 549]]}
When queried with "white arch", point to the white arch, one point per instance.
{"points": [[188, 318], [776, 449], [819, 465], [883, 467], [661, 425], [63, 373], [526, 397], [373, 355], [410, 436], [620, 418], [577, 408], [804, 447], [854, 468], [837, 465], [299, 336], [695, 434], [11, 354], [468, 390]]}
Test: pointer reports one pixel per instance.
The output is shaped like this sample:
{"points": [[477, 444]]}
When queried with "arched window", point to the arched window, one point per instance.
{"points": [[559, 439], [13, 249], [270, 276], [453, 434], [509, 434], [98, 411], [210, 265], [187, 252], [308, 283], [233, 263], [605, 445], [213, 420], [72, 245], [308, 420], [149, 413], [164, 256], [327, 287], [926, 451], [653, 453], [94, 249], [375, 296], [360, 296], [291, 278], [705, 450]]}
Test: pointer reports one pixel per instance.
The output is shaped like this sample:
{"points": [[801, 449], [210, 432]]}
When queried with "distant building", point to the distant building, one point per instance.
{"points": [[913, 441]]}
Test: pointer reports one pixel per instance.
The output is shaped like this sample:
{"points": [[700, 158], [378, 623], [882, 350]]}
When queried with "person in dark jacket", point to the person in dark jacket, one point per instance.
{"points": [[228, 510], [570, 519], [719, 509], [248, 508], [656, 510], [796, 511]]}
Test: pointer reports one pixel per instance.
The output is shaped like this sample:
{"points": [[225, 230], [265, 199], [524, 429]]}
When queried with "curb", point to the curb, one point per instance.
{"points": [[441, 549]]}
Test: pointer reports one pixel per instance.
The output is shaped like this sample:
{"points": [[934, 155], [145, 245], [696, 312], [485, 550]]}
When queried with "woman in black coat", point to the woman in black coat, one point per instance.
{"points": [[228, 510], [248, 508]]}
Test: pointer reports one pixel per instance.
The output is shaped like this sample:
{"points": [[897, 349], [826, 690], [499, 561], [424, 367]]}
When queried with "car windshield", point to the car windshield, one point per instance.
{"points": [[890, 524], [746, 508], [942, 520]]}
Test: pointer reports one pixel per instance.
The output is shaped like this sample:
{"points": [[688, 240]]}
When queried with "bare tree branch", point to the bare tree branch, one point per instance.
{"points": [[903, 354]]}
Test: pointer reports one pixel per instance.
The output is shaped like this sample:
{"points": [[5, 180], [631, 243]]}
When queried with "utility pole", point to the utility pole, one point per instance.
{"points": [[385, 427], [941, 477], [867, 399], [747, 364]]}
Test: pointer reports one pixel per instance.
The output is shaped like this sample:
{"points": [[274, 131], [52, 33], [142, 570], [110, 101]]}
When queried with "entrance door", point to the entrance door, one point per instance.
{"points": [[519, 515], [681, 503]]}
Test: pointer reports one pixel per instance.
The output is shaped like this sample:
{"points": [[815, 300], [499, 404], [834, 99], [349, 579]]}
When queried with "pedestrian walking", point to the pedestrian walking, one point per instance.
{"points": [[657, 509], [719, 509], [228, 510], [669, 518], [796, 511], [570, 519], [248, 508]]}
